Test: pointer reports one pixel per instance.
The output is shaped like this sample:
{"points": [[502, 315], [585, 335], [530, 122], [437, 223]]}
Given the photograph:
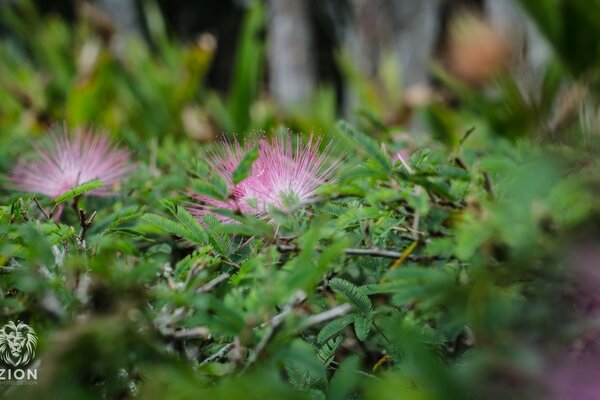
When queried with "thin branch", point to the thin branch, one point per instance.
{"points": [[328, 315], [417, 216], [24, 209], [275, 323], [487, 185], [277, 319], [225, 349], [466, 136], [199, 332], [84, 223], [39, 206], [213, 283], [314, 201], [375, 252]]}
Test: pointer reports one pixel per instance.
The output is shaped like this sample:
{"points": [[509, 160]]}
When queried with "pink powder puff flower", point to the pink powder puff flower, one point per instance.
{"points": [[282, 171], [68, 160]]}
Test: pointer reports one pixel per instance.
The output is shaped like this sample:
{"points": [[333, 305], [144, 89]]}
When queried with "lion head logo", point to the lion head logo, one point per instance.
{"points": [[17, 343]]}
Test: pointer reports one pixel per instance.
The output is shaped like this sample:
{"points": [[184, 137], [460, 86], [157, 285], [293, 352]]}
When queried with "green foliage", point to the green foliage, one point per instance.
{"points": [[446, 274], [79, 190], [233, 113], [243, 169]]}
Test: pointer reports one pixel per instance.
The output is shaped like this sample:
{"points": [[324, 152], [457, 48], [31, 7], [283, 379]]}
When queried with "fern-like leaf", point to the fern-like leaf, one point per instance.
{"points": [[170, 226], [334, 327], [185, 218], [79, 190], [326, 352], [353, 293], [362, 326]]}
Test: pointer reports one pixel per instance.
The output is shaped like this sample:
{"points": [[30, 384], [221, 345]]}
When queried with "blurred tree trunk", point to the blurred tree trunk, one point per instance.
{"points": [[123, 13], [124, 17], [290, 58], [404, 29], [531, 50], [416, 29], [407, 27]]}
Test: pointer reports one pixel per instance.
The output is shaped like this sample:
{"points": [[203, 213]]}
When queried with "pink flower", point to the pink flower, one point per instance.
{"points": [[68, 160], [281, 172]]}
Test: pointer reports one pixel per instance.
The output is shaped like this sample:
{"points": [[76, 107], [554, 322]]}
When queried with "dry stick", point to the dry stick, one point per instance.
{"points": [[213, 283], [298, 298], [200, 331], [184, 334], [487, 185], [85, 223], [416, 217], [24, 209], [218, 354], [328, 315], [39, 206], [376, 252], [275, 323]]}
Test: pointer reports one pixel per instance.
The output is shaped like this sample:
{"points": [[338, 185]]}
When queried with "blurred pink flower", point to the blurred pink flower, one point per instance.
{"points": [[577, 378], [403, 154], [282, 171], [68, 160], [574, 372]]}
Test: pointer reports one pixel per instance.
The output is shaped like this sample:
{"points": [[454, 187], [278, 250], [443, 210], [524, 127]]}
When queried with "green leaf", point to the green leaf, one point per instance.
{"points": [[126, 215], [248, 66], [353, 293], [188, 220], [221, 243], [366, 145], [345, 380], [334, 327], [215, 188], [243, 169], [326, 353], [362, 326], [170, 226], [79, 190]]}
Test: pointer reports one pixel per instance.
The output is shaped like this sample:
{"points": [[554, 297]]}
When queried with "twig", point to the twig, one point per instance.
{"points": [[328, 315], [191, 273], [417, 216], [487, 185], [213, 283], [405, 254], [85, 223], [405, 164], [218, 354], [376, 252], [275, 323], [230, 263], [185, 334], [24, 209], [39, 206], [277, 319], [466, 136], [316, 200]]}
